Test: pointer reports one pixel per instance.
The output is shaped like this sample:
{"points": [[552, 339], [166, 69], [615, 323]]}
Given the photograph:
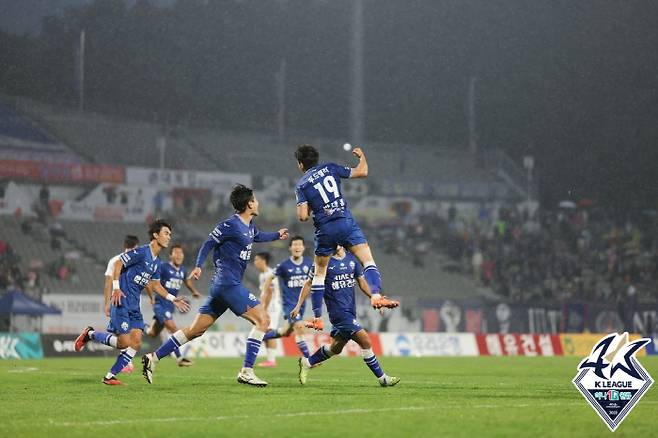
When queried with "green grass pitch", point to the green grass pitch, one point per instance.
{"points": [[471, 397]]}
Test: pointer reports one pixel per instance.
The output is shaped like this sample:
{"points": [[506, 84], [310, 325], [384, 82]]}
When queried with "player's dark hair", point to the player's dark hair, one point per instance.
{"points": [[240, 197], [130, 241], [295, 238], [173, 247], [156, 226], [307, 155], [265, 256]]}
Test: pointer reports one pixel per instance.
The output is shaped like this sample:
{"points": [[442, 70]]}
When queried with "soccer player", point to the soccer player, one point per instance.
{"points": [[292, 274], [133, 271], [343, 273], [129, 242], [271, 299], [318, 191], [231, 241], [172, 277]]}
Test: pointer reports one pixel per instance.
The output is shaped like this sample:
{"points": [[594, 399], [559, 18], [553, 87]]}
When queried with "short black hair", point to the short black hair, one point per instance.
{"points": [[307, 155], [298, 237], [130, 241], [156, 226], [240, 197], [173, 247], [265, 256]]}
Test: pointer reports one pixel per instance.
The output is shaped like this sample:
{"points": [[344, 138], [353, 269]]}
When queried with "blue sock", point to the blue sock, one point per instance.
{"points": [[373, 277], [301, 344], [317, 294], [171, 344], [271, 334], [104, 338], [321, 355], [253, 345], [123, 359], [371, 360], [177, 353]]}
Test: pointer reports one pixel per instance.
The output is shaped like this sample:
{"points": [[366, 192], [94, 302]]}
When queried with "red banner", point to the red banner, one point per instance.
{"points": [[61, 172], [519, 345], [315, 341]]}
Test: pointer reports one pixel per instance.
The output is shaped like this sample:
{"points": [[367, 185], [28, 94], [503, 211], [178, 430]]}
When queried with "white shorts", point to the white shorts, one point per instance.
{"points": [[275, 315]]}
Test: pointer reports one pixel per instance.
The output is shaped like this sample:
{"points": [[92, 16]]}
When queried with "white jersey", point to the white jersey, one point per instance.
{"points": [[110, 265], [276, 307]]}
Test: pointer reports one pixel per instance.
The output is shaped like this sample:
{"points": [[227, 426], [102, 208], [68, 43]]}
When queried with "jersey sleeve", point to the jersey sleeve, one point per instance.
{"points": [[221, 232], [358, 269], [135, 256], [299, 195], [341, 171], [263, 236], [110, 267], [279, 271]]}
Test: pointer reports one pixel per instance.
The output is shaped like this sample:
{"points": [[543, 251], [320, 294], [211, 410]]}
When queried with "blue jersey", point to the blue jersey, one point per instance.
{"points": [[231, 242], [139, 267], [320, 188], [171, 278], [292, 277], [339, 287]]}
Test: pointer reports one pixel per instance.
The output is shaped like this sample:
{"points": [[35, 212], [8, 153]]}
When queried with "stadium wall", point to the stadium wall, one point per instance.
{"points": [[232, 344]]}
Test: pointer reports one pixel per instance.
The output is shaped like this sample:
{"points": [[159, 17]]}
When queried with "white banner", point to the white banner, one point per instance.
{"points": [[218, 344], [218, 182], [428, 344]]}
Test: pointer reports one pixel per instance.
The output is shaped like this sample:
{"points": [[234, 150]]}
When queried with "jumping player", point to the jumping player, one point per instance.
{"points": [[319, 191], [271, 299], [133, 271], [292, 274], [231, 241], [172, 277], [343, 274]]}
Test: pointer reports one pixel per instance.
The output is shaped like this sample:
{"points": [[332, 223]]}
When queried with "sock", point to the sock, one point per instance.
{"points": [[373, 277], [104, 338], [271, 334], [301, 344], [271, 354], [253, 345], [371, 360], [171, 344], [317, 294], [123, 359], [321, 355], [177, 353]]}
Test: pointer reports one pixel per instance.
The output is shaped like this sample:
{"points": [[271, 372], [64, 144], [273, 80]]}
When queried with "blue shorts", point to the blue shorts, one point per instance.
{"points": [[162, 313], [234, 297], [345, 329], [344, 232], [300, 315], [124, 319]]}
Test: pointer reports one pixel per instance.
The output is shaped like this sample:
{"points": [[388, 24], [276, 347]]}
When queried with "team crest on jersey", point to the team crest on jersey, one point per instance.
{"points": [[305, 269], [352, 265], [124, 326], [611, 379]]}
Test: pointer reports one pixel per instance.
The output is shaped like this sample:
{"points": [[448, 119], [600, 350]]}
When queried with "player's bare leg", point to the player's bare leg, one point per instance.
{"points": [[325, 352], [261, 320], [317, 284], [155, 329], [199, 326]]}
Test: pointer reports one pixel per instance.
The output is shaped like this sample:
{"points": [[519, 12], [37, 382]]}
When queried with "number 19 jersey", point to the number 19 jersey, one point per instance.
{"points": [[320, 188]]}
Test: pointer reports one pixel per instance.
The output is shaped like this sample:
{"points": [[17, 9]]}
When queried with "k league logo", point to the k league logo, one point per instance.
{"points": [[611, 379]]}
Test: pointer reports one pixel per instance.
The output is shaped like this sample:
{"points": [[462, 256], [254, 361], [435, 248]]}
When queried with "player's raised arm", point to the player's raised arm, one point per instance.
{"points": [[179, 302], [262, 236], [361, 169]]}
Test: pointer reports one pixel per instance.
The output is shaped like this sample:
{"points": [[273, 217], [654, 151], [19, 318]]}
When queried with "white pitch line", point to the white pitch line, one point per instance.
{"points": [[300, 414]]}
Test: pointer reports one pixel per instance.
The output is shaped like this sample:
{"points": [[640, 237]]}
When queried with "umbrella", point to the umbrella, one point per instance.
{"points": [[567, 204], [17, 303]]}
